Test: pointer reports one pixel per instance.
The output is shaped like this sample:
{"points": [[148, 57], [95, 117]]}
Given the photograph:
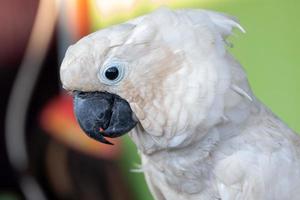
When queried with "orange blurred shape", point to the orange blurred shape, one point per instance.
{"points": [[82, 17], [79, 17], [58, 120]]}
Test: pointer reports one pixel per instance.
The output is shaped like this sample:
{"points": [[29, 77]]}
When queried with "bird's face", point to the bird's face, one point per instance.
{"points": [[117, 76], [162, 77]]}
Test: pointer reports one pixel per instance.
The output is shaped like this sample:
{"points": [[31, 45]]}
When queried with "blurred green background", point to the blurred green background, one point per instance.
{"points": [[269, 51]]}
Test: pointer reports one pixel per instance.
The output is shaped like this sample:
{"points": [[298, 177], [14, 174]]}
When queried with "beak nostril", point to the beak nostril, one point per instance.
{"points": [[78, 93]]}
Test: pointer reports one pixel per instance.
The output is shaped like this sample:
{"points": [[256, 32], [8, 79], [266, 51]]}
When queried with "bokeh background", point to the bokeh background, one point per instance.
{"points": [[44, 154]]}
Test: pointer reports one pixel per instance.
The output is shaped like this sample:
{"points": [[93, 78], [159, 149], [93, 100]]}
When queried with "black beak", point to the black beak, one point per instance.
{"points": [[102, 114]]}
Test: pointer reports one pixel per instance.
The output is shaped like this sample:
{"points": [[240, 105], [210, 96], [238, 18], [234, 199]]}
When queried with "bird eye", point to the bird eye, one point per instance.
{"points": [[112, 72]]}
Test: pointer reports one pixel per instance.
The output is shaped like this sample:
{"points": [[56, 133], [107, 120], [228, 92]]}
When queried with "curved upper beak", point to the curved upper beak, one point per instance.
{"points": [[102, 114]]}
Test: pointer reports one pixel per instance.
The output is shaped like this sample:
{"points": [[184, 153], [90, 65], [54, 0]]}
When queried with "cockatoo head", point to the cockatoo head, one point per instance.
{"points": [[159, 75]]}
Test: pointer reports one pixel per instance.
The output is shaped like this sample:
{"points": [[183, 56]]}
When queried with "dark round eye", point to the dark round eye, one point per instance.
{"points": [[112, 73]]}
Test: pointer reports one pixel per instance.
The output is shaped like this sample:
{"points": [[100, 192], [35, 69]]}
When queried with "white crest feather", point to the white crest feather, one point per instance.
{"points": [[225, 23]]}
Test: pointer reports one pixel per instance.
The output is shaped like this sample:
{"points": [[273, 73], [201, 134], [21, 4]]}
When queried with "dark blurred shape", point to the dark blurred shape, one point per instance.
{"points": [[16, 21], [52, 167]]}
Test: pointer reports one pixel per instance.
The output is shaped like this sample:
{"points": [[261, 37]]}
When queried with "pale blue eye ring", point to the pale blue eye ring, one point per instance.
{"points": [[112, 72]]}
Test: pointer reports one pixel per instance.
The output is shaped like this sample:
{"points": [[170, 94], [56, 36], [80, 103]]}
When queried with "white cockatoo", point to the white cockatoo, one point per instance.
{"points": [[168, 79]]}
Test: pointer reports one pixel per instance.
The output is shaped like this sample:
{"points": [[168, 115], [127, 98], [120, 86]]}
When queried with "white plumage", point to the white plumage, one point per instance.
{"points": [[202, 134]]}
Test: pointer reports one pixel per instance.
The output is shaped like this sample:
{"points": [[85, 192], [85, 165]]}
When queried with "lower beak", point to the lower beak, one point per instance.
{"points": [[102, 114]]}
